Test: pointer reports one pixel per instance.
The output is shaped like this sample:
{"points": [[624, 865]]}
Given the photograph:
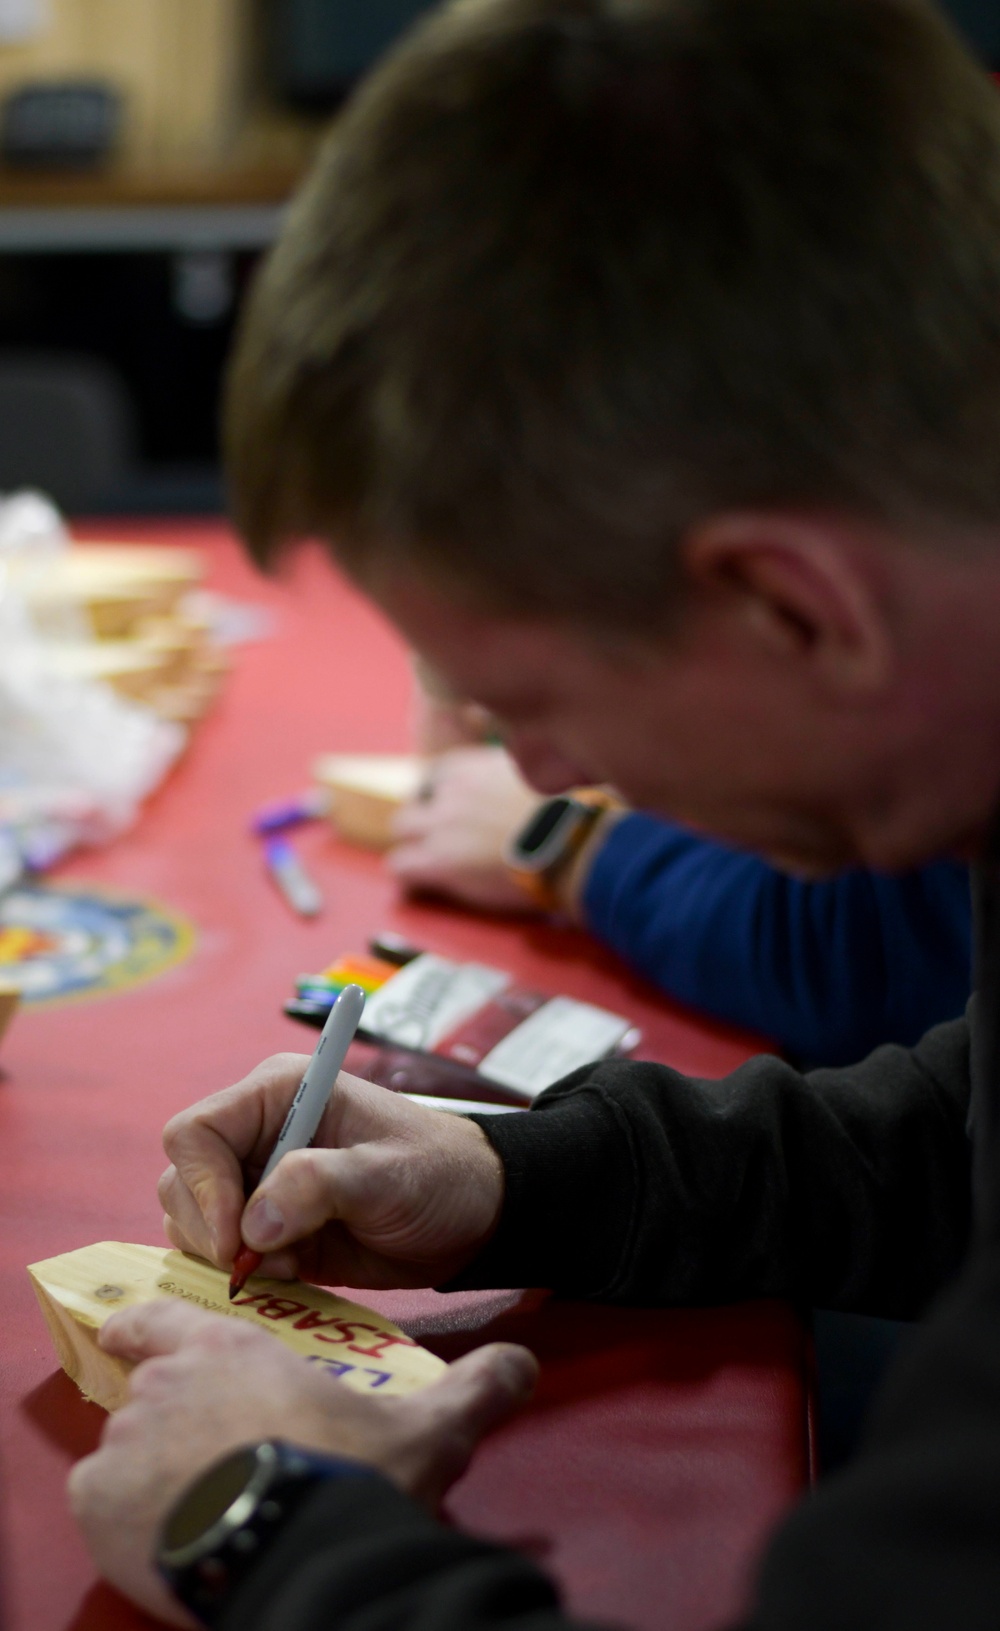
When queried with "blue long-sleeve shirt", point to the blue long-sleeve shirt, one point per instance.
{"points": [[826, 970]]}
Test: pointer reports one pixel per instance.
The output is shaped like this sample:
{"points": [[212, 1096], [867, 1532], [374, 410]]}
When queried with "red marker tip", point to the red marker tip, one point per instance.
{"points": [[247, 1263]]}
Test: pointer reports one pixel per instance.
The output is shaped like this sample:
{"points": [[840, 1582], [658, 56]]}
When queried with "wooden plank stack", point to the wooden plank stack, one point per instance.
{"points": [[149, 641]]}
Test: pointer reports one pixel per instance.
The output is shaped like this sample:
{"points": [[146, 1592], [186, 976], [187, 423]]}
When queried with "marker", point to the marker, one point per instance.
{"points": [[367, 972], [309, 1010], [393, 948], [292, 878], [276, 818], [306, 1109]]}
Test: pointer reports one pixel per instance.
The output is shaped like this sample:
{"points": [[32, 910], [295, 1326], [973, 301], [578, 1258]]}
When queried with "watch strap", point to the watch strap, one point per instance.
{"points": [[541, 885]]}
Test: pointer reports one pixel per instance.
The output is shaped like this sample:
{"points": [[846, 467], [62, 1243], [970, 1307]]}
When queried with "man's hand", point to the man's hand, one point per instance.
{"points": [[206, 1385], [452, 840], [389, 1194]]}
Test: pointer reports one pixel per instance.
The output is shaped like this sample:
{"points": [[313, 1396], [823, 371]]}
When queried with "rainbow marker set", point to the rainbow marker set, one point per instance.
{"points": [[370, 973], [469, 1017]]}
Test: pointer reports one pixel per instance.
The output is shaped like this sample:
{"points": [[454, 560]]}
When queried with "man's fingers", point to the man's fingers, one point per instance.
{"points": [[411, 821], [178, 1238], [210, 1144], [209, 1183], [154, 1328], [190, 1229], [452, 1415], [412, 863], [478, 1392]]}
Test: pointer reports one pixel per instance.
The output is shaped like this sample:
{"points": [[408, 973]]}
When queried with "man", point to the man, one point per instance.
{"points": [[642, 359]]}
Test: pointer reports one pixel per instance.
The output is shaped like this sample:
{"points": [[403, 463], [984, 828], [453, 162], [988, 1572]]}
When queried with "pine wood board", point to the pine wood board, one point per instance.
{"points": [[366, 790], [79, 1290], [85, 566], [171, 668], [115, 589]]}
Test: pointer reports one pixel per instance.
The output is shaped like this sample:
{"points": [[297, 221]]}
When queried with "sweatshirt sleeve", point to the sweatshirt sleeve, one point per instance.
{"points": [[361, 1556], [904, 1540], [846, 1189], [827, 970]]}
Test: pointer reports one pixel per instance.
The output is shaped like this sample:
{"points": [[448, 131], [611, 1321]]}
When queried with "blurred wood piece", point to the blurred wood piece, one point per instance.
{"points": [[10, 996], [366, 790], [78, 1291], [151, 642], [113, 587]]}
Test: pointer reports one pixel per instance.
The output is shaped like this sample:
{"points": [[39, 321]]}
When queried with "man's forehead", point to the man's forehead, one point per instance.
{"points": [[457, 637], [518, 666]]}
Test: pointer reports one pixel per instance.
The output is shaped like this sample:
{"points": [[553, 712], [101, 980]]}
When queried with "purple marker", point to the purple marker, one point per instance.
{"points": [[292, 878], [276, 818]]}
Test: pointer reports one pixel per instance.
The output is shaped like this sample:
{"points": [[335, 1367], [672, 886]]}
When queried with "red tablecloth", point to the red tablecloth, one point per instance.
{"points": [[662, 1446]]}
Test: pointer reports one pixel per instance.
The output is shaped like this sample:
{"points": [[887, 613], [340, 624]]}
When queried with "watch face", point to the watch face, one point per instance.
{"points": [[543, 824], [219, 1502], [543, 840]]}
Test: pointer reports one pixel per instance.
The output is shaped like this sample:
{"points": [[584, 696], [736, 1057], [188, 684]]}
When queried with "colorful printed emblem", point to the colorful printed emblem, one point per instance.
{"points": [[59, 943]]}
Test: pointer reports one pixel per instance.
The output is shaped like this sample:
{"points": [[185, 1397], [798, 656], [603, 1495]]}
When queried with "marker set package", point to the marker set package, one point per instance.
{"points": [[469, 1030]]}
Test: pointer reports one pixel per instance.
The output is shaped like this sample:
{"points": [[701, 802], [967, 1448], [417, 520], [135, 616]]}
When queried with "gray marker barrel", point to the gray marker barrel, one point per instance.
{"points": [[313, 1093]]}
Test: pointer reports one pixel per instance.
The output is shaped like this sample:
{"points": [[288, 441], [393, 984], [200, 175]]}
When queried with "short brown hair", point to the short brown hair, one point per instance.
{"points": [[571, 274]]}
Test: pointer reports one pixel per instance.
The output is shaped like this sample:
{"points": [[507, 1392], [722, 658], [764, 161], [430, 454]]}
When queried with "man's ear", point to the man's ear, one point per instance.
{"points": [[802, 589]]}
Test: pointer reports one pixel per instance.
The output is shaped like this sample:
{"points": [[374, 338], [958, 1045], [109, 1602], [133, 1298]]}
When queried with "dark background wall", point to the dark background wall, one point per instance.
{"points": [[111, 358]]}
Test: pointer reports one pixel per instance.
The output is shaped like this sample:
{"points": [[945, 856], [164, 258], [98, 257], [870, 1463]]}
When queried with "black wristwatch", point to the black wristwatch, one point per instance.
{"points": [[223, 1523]]}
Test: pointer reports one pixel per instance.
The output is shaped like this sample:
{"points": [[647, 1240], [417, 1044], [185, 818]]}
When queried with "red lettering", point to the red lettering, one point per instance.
{"points": [[384, 1340], [350, 1333], [273, 1308], [313, 1320]]}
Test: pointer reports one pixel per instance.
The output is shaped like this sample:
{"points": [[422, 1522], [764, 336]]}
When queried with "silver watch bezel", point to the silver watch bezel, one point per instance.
{"points": [[266, 1462]]}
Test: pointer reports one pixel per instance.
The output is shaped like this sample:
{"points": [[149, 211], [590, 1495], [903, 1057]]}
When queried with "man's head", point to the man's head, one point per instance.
{"points": [[649, 351]]}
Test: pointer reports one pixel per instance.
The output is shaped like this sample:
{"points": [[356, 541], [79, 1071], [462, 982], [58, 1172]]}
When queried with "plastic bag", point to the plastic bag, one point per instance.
{"points": [[76, 759]]}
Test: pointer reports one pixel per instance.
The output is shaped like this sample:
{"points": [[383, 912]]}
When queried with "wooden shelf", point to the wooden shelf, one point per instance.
{"points": [[124, 188], [124, 211]]}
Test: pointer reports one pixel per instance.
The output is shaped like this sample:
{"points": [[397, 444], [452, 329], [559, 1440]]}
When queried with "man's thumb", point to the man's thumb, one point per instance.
{"points": [[301, 1195], [476, 1394]]}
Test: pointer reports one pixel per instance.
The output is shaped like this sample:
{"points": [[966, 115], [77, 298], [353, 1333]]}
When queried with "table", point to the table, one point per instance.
{"points": [[662, 1446]]}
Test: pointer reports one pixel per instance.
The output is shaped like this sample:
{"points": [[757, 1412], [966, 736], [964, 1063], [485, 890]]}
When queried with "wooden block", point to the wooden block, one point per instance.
{"points": [[131, 667], [366, 790], [113, 587], [187, 701], [175, 674], [10, 996], [91, 569], [79, 1290]]}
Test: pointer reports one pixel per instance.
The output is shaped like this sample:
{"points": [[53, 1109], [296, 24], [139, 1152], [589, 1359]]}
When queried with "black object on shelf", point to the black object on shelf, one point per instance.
{"points": [[318, 49], [62, 124]]}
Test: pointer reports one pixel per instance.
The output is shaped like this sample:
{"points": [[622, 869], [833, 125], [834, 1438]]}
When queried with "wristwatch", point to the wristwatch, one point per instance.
{"points": [[552, 838], [224, 1522]]}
